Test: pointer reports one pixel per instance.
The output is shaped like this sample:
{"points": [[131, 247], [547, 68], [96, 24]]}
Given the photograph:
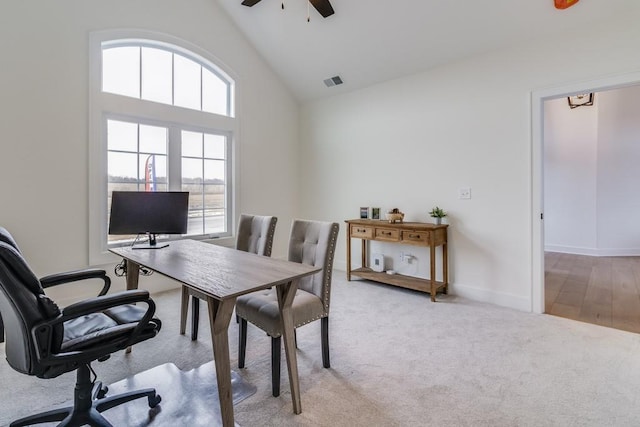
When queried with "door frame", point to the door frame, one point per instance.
{"points": [[538, 98]]}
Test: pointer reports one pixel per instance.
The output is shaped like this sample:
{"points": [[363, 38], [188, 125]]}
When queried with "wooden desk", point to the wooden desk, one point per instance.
{"points": [[410, 233], [222, 274]]}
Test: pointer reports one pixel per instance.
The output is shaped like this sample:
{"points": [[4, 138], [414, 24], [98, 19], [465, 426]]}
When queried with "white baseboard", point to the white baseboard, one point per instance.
{"points": [[472, 293], [498, 298], [593, 251]]}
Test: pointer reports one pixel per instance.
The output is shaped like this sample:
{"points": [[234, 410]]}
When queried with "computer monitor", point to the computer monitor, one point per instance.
{"points": [[149, 212]]}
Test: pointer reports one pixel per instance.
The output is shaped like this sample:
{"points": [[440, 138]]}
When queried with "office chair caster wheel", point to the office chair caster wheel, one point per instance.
{"points": [[102, 392], [154, 400]]}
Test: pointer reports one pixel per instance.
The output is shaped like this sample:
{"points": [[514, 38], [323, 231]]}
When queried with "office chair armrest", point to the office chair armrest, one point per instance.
{"points": [[74, 276], [42, 332], [100, 303]]}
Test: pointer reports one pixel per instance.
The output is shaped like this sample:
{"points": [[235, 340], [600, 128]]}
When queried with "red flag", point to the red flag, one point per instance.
{"points": [[150, 174]]}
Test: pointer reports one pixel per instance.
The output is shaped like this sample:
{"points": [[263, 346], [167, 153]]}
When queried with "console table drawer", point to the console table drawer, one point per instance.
{"points": [[390, 234], [415, 237], [362, 232]]}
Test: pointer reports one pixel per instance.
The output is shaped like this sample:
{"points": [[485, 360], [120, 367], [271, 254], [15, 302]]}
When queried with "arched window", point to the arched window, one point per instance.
{"points": [[162, 120], [159, 73]]}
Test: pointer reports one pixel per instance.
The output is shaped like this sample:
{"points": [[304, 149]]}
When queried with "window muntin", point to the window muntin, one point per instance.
{"points": [[162, 75], [204, 171]]}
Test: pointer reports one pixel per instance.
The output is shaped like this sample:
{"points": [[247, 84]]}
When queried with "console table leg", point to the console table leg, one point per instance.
{"points": [[445, 268], [432, 272], [349, 257]]}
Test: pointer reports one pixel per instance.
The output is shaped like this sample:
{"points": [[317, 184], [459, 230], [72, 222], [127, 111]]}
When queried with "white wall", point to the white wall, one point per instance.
{"points": [[591, 175], [618, 171], [570, 176], [44, 117], [412, 142]]}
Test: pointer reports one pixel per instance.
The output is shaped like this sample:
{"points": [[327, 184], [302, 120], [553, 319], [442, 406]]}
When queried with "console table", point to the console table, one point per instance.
{"points": [[410, 233]]}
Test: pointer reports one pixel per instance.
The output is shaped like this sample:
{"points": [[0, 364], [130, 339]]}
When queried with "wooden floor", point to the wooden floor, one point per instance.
{"points": [[600, 290]]}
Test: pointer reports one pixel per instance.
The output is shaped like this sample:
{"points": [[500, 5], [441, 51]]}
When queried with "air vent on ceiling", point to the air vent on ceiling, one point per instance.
{"points": [[333, 81]]}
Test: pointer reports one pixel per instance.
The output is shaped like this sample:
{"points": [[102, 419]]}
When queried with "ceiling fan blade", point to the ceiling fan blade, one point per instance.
{"points": [[323, 7], [250, 2]]}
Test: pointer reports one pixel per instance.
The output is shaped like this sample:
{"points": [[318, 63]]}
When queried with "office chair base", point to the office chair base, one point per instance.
{"points": [[89, 401]]}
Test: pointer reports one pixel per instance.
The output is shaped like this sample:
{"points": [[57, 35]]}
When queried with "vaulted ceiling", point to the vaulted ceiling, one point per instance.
{"points": [[370, 41]]}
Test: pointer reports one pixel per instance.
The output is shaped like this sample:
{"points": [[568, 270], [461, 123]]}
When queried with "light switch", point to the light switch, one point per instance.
{"points": [[464, 192]]}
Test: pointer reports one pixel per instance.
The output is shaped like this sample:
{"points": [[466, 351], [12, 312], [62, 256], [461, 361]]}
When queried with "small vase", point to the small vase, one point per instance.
{"points": [[438, 220]]}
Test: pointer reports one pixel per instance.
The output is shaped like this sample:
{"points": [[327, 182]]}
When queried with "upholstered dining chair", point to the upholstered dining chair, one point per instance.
{"points": [[313, 243], [255, 235], [46, 341]]}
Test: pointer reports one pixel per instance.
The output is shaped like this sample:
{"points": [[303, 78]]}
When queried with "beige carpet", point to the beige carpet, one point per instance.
{"points": [[399, 360]]}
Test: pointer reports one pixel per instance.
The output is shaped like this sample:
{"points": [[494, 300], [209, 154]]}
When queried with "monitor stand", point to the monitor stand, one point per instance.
{"points": [[151, 245]]}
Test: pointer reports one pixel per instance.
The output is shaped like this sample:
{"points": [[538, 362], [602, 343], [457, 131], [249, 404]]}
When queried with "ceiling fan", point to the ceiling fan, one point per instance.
{"points": [[322, 6]]}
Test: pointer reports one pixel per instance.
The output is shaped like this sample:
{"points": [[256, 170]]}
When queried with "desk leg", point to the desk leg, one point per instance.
{"points": [[219, 317], [133, 273], [285, 299]]}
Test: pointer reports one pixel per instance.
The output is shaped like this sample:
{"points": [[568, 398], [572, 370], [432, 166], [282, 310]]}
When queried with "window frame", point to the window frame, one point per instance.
{"points": [[104, 106]]}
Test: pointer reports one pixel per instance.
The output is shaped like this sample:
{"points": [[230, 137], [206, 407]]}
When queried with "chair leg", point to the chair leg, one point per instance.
{"points": [[242, 342], [184, 308], [195, 317], [44, 417], [275, 366], [153, 399], [324, 331]]}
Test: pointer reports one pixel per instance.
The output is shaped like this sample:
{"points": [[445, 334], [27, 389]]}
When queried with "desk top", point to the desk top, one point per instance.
{"points": [[217, 271]]}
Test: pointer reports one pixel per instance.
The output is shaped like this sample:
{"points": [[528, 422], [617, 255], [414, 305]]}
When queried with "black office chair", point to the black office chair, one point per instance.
{"points": [[46, 341]]}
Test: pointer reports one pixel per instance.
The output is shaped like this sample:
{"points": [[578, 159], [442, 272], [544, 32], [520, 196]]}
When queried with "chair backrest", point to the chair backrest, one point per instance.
{"points": [[6, 237], [23, 304], [314, 243], [255, 234]]}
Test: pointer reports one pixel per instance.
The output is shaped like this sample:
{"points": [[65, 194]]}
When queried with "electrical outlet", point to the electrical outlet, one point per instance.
{"points": [[464, 192], [405, 258]]}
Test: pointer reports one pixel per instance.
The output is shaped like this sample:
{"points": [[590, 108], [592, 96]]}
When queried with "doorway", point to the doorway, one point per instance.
{"points": [[592, 237], [537, 212]]}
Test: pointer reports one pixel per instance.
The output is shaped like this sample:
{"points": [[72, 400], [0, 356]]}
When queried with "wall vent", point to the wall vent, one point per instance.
{"points": [[333, 81]]}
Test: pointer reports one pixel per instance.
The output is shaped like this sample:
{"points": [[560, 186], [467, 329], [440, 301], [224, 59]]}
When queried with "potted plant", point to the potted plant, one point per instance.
{"points": [[438, 214]]}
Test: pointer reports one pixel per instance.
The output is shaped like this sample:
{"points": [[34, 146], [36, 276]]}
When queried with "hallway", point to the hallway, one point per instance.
{"points": [[600, 290]]}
